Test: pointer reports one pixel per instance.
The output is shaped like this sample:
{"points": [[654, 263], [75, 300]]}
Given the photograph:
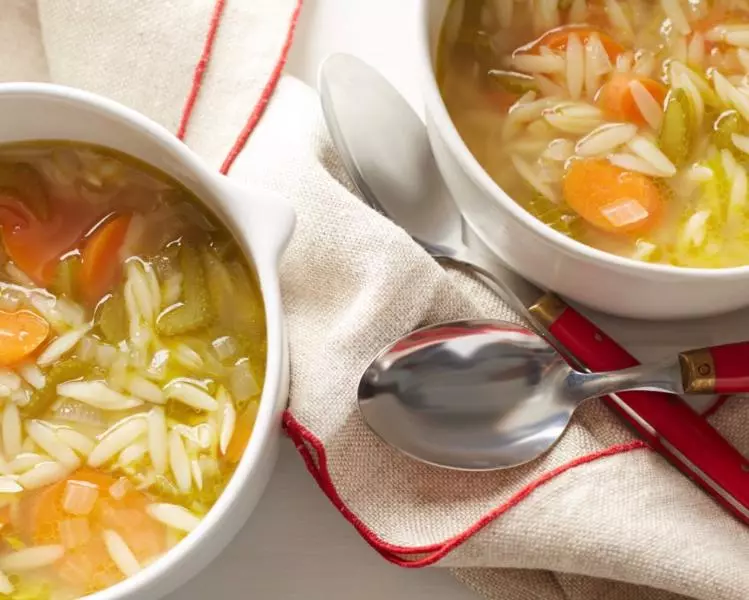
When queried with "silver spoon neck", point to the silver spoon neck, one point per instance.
{"points": [[664, 376]]}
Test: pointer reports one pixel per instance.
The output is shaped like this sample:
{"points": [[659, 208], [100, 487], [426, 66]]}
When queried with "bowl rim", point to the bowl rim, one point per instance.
{"points": [[267, 428], [437, 111]]}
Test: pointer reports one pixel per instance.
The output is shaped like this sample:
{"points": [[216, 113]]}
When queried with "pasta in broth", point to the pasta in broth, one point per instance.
{"points": [[131, 364], [626, 123]]}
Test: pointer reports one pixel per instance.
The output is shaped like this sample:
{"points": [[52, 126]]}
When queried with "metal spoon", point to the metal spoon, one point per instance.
{"points": [[398, 176], [485, 394]]}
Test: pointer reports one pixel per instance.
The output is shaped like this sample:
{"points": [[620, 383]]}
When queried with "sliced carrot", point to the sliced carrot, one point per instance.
{"points": [[128, 517], [101, 266], [42, 510], [89, 566], [35, 246], [556, 39], [21, 333], [5, 515], [242, 432], [617, 100], [610, 198], [718, 16]]}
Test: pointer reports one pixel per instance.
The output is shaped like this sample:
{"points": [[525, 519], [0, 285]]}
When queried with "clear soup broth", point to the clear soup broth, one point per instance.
{"points": [[132, 357], [626, 124]]}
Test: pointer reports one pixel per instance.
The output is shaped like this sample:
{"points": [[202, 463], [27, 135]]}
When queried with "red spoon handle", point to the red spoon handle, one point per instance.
{"points": [[720, 369], [664, 420]]}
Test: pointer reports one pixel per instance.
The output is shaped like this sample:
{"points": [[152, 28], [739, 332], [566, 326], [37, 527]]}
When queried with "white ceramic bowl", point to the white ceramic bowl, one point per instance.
{"points": [[603, 281], [261, 222]]}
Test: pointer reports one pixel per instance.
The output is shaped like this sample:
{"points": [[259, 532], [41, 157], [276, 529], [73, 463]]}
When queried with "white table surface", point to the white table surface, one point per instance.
{"points": [[296, 545]]}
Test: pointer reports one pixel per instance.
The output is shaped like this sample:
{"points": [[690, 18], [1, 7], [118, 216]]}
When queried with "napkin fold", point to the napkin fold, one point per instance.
{"points": [[601, 517]]}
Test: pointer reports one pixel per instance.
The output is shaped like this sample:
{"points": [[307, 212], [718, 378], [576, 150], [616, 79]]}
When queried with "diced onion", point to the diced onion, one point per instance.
{"points": [[241, 382], [74, 532], [624, 212], [79, 497], [119, 489], [225, 347]]}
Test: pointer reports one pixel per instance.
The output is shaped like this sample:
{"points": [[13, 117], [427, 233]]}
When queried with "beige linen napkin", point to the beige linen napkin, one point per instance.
{"points": [[601, 517]]}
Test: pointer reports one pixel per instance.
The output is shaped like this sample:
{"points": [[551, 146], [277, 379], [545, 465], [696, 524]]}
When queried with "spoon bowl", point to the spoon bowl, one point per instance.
{"points": [[449, 395]]}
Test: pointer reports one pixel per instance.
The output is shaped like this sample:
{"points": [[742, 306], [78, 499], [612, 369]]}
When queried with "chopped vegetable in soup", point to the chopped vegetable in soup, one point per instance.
{"points": [[626, 123], [132, 357]]}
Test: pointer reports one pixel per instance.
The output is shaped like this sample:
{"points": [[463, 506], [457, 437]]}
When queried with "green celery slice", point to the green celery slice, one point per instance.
{"points": [[111, 318], [66, 276], [65, 370], [725, 126], [509, 81], [195, 311], [557, 216], [677, 131]]}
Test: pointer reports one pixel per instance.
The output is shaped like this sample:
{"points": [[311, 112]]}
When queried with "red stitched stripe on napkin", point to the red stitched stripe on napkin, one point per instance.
{"points": [[270, 86], [197, 78], [313, 453]]}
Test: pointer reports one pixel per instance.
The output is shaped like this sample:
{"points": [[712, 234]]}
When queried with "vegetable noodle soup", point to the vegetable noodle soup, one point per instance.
{"points": [[626, 124], [132, 356]]}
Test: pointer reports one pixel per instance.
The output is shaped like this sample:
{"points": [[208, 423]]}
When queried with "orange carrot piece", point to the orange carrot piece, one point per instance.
{"points": [[242, 432], [556, 39], [128, 517], [617, 101], [42, 510], [100, 264], [610, 198], [5, 515], [21, 333], [89, 566], [718, 16], [36, 246]]}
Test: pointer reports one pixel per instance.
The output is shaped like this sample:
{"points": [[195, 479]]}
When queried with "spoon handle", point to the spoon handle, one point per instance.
{"points": [[655, 377], [668, 423], [719, 369]]}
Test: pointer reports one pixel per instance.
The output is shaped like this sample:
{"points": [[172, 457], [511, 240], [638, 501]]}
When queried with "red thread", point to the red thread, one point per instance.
{"points": [[270, 86], [197, 78], [317, 465]]}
